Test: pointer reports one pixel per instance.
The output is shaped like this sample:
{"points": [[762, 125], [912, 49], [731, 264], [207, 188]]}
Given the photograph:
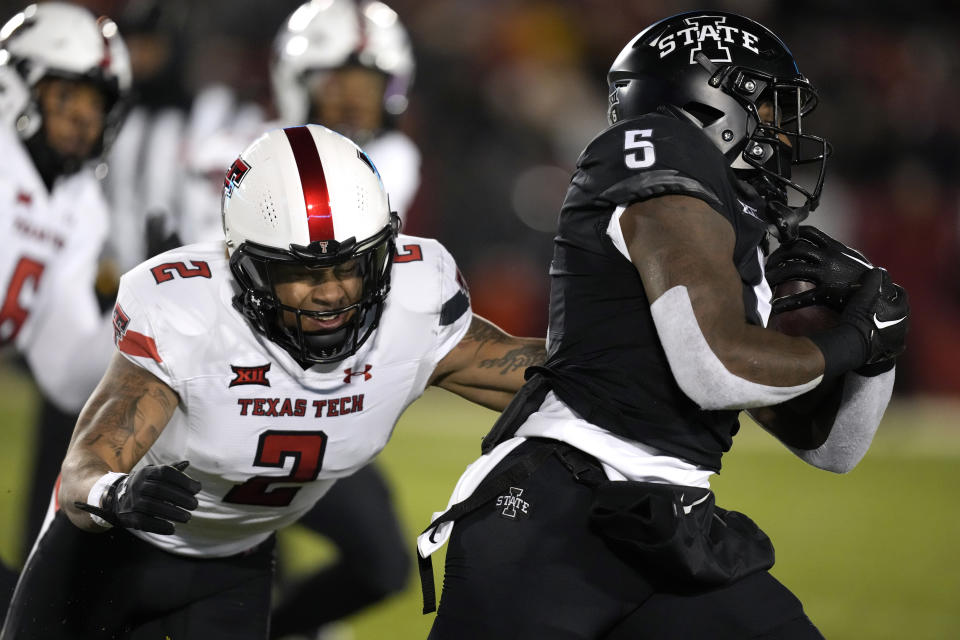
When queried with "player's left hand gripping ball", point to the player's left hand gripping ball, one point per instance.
{"points": [[151, 499], [833, 268]]}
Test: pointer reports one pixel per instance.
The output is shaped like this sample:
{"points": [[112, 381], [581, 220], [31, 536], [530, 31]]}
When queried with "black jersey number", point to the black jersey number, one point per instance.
{"points": [[305, 447], [643, 154]]}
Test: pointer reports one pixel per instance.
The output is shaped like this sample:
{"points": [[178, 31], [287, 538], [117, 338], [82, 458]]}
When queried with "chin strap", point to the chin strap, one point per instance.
{"points": [[786, 220]]}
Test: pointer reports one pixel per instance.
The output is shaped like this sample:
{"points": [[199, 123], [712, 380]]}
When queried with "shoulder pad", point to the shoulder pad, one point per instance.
{"points": [[652, 155]]}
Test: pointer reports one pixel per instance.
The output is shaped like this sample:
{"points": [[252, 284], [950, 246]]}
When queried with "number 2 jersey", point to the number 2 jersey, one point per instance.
{"points": [[264, 437]]}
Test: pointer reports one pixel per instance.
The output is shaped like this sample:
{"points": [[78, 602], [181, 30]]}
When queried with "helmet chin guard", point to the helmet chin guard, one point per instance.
{"points": [[738, 82]]}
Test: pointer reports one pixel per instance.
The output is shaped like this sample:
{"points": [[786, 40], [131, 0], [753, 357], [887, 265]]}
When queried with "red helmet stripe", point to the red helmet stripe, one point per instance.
{"points": [[316, 198]]}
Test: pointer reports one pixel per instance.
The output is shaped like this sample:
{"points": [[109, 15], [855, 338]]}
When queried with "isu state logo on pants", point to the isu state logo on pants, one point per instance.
{"points": [[513, 506]]}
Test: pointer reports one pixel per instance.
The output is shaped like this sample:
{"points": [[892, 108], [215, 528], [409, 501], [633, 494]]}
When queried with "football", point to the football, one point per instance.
{"points": [[803, 321], [819, 405]]}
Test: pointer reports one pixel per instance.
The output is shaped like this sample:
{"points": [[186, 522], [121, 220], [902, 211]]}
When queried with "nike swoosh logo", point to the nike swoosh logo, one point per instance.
{"points": [[856, 259], [687, 508], [883, 324]]}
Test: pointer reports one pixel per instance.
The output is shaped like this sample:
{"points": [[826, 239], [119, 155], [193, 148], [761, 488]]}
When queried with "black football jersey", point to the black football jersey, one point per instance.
{"points": [[605, 359]]}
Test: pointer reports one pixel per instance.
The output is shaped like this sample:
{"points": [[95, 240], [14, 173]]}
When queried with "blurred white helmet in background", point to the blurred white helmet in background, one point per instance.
{"points": [[54, 39], [329, 34]]}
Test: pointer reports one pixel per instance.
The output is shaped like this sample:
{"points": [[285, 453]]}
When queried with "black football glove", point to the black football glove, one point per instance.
{"points": [[880, 313], [151, 499], [832, 267]]}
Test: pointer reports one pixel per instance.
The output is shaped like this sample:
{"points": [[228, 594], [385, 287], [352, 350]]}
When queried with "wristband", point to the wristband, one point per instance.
{"points": [[843, 348], [99, 488], [876, 369]]}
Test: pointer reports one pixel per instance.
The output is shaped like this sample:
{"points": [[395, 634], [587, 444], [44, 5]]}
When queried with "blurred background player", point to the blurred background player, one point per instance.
{"points": [[64, 75], [144, 163], [350, 64], [172, 127], [347, 65]]}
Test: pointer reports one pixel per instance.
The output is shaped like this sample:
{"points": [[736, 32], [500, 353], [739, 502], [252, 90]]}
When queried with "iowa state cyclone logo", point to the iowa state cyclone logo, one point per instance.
{"points": [[707, 34]]}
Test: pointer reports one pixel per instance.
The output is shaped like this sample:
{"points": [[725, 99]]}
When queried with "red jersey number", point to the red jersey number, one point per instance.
{"points": [[22, 287], [164, 272], [305, 447], [410, 253]]}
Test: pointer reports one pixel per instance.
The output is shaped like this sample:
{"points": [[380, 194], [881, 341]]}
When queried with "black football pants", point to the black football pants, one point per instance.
{"points": [[111, 585], [373, 557], [529, 567]]}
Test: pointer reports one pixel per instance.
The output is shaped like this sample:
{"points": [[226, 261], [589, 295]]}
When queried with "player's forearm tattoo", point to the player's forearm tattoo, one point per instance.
{"points": [[516, 359], [494, 349], [128, 422]]}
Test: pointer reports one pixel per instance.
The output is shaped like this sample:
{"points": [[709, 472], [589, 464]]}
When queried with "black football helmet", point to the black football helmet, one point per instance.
{"points": [[738, 82]]}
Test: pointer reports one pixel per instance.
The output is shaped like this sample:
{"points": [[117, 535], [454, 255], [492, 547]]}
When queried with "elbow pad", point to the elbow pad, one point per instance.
{"points": [[697, 369], [861, 408]]}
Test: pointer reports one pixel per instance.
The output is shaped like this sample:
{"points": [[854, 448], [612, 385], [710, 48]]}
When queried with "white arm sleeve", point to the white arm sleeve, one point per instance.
{"points": [[71, 344], [698, 371], [861, 408]]}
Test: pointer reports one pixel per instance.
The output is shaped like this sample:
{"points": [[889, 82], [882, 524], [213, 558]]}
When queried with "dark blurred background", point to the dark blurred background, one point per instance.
{"points": [[508, 92]]}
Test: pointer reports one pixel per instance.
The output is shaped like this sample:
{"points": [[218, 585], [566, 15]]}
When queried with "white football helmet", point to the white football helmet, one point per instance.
{"points": [[65, 41], [307, 197], [329, 34]]}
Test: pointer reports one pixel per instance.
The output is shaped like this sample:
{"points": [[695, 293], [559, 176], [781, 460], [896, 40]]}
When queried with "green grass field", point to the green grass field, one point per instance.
{"points": [[873, 554]]}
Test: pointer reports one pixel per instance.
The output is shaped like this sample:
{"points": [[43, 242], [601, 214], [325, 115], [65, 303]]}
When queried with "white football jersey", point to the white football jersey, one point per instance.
{"points": [[264, 437], [52, 244]]}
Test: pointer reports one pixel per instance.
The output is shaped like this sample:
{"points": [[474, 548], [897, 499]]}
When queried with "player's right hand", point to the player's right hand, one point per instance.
{"points": [[880, 311], [151, 499]]}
